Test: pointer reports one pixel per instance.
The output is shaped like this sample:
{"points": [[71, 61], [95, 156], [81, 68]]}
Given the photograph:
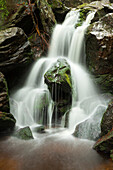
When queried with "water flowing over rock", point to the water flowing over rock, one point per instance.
{"points": [[99, 51], [15, 50], [107, 120], [58, 79], [7, 120]]}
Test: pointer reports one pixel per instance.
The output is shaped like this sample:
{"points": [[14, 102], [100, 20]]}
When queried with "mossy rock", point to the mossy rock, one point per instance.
{"points": [[59, 81], [24, 133]]}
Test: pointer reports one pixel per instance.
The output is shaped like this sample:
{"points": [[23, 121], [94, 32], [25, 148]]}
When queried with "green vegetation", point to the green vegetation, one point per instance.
{"points": [[3, 9]]}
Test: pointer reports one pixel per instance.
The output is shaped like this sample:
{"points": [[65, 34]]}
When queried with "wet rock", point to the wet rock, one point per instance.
{"points": [[46, 15], [99, 49], [59, 9], [7, 122], [24, 133], [39, 129], [90, 128], [58, 79], [105, 143], [107, 120], [4, 97], [15, 50], [23, 19]]}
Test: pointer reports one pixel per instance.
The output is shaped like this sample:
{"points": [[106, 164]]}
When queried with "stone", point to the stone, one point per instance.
{"points": [[15, 50], [7, 122], [58, 79], [46, 15], [105, 143], [4, 97], [107, 120], [90, 128], [22, 19], [99, 50], [24, 133], [59, 10]]}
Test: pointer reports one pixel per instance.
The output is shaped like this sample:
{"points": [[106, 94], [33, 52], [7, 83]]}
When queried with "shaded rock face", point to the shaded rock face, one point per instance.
{"points": [[4, 98], [105, 144], [58, 79], [23, 19], [107, 120], [99, 51], [24, 133], [59, 10], [7, 121], [46, 16], [15, 50]]}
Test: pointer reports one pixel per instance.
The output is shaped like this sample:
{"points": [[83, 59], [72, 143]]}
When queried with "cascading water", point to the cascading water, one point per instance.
{"points": [[66, 42]]}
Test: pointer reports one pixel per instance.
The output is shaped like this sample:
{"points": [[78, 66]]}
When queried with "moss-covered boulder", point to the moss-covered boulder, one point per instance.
{"points": [[99, 50], [105, 143], [24, 133], [107, 120], [7, 122], [15, 50], [58, 79]]}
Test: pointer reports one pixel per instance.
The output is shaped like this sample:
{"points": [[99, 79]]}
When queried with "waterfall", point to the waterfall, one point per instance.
{"points": [[32, 102]]}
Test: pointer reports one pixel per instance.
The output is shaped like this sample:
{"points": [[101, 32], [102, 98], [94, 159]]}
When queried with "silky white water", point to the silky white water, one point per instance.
{"points": [[28, 103]]}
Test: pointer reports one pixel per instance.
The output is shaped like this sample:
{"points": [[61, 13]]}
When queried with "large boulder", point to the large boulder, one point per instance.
{"points": [[15, 50], [59, 10], [7, 121], [22, 18], [99, 51], [58, 79], [4, 97], [107, 120], [46, 16]]}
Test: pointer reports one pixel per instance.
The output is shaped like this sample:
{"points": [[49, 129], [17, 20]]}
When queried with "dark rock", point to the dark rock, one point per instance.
{"points": [[15, 50], [7, 122], [23, 19], [46, 16], [59, 9], [39, 129], [99, 49], [58, 79], [24, 133], [107, 120], [111, 155], [105, 143], [4, 97]]}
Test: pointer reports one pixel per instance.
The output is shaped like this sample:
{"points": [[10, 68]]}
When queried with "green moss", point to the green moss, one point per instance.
{"points": [[68, 80]]}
